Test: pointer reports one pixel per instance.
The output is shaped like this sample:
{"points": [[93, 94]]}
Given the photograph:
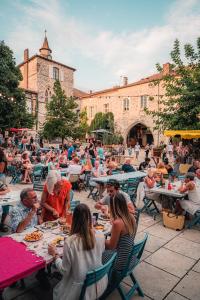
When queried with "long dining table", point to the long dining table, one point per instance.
{"points": [[24, 258], [121, 177]]}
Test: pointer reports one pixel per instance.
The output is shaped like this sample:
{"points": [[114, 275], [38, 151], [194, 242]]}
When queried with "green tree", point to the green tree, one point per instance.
{"points": [[106, 121], [103, 121], [13, 112], [62, 119], [82, 128], [179, 108]]}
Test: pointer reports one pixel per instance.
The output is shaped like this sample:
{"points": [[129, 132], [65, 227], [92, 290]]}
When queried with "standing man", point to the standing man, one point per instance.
{"points": [[137, 150]]}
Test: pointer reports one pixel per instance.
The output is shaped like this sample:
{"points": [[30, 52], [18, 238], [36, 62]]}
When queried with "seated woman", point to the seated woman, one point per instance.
{"points": [[55, 196], [82, 252], [122, 235], [149, 183], [26, 167], [87, 166], [161, 169], [193, 191]]}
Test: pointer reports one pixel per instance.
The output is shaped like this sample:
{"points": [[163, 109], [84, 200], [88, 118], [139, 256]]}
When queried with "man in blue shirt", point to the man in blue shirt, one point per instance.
{"points": [[70, 151]]}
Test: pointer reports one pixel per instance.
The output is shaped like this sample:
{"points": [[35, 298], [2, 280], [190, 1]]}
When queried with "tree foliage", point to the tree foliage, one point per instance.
{"points": [[106, 121], [82, 128], [103, 121], [180, 106], [62, 118], [13, 112]]}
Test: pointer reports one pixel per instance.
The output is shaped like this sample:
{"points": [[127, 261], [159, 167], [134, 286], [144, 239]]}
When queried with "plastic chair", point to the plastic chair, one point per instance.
{"points": [[195, 220], [15, 174], [132, 185], [96, 275], [37, 173], [136, 252], [73, 204], [150, 207], [93, 190]]}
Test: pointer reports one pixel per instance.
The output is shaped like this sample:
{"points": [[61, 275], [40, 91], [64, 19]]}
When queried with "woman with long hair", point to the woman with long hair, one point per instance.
{"points": [[122, 233], [82, 252]]}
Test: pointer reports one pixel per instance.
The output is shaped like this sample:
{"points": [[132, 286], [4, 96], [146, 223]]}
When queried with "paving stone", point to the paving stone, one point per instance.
{"points": [[160, 231], [145, 254], [191, 235], [115, 295], [154, 282], [188, 248], [197, 267], [153, 242], [174, 296], [189, 286], [171, 262]]}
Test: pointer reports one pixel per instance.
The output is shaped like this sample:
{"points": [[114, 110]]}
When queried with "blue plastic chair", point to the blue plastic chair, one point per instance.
{"points": [[132, 185], [73, 204], [15, 173], [195, 220], [96, 275], [150, 207], [136, 252], [37, 173]]}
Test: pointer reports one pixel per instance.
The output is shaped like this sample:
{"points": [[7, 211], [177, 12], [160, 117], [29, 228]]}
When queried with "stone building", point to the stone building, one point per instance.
{"points": [[39, 74], [127, 102]]}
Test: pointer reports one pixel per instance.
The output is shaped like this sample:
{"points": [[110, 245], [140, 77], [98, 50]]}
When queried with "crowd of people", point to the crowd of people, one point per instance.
{"points": [[84, 249]]}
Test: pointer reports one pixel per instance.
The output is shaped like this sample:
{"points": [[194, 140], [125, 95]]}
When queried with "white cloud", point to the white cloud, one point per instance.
{"points": [[133, 54]]}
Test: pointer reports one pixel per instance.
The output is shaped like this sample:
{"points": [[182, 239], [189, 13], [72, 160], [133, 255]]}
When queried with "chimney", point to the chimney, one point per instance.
{"points": [[166, 69], [26, 54], [125, 80], [25, 74]]}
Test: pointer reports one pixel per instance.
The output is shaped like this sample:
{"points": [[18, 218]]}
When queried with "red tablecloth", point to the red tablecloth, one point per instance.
{"points": [[16, 262]]}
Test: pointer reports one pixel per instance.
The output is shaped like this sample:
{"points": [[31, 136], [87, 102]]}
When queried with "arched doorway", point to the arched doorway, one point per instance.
{"points": [[139, 133]]}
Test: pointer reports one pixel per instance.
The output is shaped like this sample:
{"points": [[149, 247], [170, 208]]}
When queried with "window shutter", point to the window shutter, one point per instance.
{"points": [[50, 71], [61, 75]]}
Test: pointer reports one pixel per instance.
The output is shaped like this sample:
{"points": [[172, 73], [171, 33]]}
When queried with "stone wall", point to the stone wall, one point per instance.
{"points": [[40, 80], [113, 101]]}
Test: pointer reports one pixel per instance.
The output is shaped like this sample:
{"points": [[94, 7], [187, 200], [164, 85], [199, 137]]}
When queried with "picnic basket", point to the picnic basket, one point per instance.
{"points": [[173, 221]]}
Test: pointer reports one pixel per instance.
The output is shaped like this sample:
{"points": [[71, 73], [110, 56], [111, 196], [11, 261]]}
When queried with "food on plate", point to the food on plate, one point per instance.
{"points": [[105, 217], [99, 226], [58, 241], [33, 236], [49, 225], [65, 229]]}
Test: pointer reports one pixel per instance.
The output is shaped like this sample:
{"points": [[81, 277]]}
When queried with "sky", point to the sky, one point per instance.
{"points": [[103, 39]]}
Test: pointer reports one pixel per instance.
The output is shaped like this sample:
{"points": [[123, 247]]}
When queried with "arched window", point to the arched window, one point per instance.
{"points": [[126, 104], [46, 96]]}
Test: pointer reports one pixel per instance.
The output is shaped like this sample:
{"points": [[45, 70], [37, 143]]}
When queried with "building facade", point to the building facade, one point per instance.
{"points": [[128, 103], [39, 74]]}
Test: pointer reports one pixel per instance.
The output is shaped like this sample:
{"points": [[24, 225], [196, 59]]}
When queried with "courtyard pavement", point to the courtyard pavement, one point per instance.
{"points": [[169, 269]]}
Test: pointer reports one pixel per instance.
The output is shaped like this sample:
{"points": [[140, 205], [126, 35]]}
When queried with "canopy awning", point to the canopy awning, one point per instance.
{"points": [[185, 134]]}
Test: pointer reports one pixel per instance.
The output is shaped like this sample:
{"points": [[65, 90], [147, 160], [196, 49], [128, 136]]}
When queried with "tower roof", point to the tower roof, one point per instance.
{"points": [[45, 45]]}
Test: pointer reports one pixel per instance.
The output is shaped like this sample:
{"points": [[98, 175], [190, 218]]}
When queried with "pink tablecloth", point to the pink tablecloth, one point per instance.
{"points": [[16, 262]]}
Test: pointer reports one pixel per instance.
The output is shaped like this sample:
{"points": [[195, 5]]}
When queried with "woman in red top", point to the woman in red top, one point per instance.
{"points": [[55, 196]]}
